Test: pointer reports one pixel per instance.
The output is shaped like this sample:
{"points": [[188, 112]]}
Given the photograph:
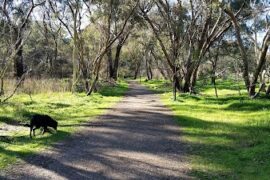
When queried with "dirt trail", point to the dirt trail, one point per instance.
{"points": [[137, 139]]}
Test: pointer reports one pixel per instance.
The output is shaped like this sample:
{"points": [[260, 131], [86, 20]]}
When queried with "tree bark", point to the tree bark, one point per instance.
{"points": [[18, 59], [2, 87], [187, 80], [18, 63], [137, 69], [245, 67], [193, 80], [116, 61], [110, 62]]}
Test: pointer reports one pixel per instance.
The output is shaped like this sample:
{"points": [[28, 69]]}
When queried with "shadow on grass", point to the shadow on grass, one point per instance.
{"points": [[8, 120], [221, 85], [225, 100], [188, 96], [40, 139], [58, 105], [249, 106], [22, 141], [28, 103], [230, 150]]}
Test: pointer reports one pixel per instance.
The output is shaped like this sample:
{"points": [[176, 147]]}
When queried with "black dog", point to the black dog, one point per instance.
{"points": [[44, 121]]}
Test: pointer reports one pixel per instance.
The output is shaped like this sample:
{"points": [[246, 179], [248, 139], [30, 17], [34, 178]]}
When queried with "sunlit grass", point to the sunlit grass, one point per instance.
{"points": [[68, 109], [226, 137]]}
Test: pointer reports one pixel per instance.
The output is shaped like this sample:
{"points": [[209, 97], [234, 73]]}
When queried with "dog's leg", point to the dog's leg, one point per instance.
{"points": [[43, 130], [34, 131], [31, 128]]}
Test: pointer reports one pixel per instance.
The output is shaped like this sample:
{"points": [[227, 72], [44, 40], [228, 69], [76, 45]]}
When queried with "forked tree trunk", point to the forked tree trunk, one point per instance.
{"points": [[137, 70], [187, 81], [178, 83]]}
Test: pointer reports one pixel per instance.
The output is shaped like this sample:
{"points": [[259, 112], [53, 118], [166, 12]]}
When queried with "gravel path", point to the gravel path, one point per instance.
{"points": [[137, 139]]}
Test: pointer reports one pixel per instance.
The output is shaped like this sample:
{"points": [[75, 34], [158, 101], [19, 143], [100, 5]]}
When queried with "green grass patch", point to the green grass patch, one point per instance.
{"points": [[68, 109], [226, 137]]}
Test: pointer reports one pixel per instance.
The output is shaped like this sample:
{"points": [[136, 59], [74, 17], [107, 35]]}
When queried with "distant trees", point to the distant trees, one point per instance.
{"points": [[181, 41], [185, 32], [116, 12], [73, 11]]}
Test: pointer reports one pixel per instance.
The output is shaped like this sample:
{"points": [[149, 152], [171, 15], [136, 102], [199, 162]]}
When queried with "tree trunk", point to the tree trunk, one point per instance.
{"points": [[268, 91], [213, 79], [215, 87], [174, 88], [93, 86], [177, 82], [18, 63], [262, 60], [55, 57], [2, 87], [150, 72], [137, 70], [110, 63], [187, 80], [116, 61], [85, 78], [245, 67], [75, 63], [189, 69], [213, 73], [193, 80]]}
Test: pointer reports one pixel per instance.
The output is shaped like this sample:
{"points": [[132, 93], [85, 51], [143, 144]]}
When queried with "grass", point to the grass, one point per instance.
{"points": [[226, 137], [68, 109]]}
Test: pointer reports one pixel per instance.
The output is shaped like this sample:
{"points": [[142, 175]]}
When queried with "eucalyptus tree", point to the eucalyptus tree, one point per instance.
{"points": [[52, 32], [15, 20], [112, 15], [16, 16], [207, 25], [185, 31], [255, 12], [167, 20], [130, 9], [70, 14]]}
